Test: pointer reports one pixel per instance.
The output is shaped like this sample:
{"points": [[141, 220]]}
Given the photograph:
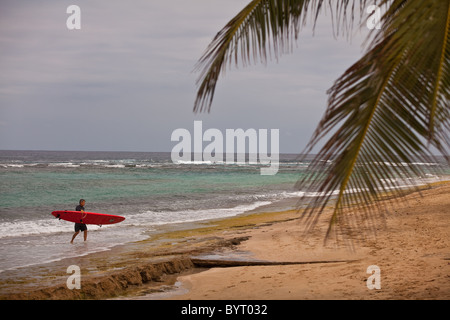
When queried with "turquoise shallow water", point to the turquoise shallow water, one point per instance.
{"points": [[32, 185], [148, 189]]}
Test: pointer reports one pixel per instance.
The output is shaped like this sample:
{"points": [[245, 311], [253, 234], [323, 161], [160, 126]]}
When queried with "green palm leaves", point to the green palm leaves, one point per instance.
{"points": [[383, 113]]}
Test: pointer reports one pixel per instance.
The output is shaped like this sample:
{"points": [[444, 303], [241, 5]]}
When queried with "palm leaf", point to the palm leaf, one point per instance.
{"points": [[386, 104]]}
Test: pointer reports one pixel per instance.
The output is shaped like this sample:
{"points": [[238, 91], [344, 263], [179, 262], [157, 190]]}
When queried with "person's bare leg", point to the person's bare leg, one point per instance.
{"points": [[74, 236], [85, 235]]}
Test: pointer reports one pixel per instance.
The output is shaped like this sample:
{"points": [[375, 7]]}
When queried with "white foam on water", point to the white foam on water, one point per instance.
{"points": [[32, 227], [158, 218], [64, 164]]}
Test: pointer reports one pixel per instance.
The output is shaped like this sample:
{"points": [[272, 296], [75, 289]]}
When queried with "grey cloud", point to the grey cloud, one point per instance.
{"points": [[126, 77]]}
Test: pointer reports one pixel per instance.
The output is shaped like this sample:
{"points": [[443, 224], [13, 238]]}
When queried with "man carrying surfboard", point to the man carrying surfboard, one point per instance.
{"points": [[80, 226]]}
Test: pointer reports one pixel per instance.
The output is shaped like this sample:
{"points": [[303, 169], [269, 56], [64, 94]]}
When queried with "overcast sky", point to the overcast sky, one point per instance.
{"points": [[124, 81]]}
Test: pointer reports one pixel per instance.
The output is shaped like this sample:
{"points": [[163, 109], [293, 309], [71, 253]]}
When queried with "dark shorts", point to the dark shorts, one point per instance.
{"points": [[80, 227]]}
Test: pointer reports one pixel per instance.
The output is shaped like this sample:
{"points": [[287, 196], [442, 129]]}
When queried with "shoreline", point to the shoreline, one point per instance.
{"points": [[164, 266], [129, 266]]}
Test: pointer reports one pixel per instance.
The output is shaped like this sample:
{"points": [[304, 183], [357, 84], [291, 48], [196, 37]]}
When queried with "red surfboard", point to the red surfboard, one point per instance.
{"points": [[87, 217]]}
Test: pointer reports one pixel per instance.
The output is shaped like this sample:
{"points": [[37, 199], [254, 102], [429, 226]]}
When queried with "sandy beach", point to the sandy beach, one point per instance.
{"points": [[261, 256], [411, 251]]}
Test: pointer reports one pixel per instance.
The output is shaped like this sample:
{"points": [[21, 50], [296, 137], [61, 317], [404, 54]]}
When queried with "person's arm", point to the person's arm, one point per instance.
{"points": [[83, 213]]}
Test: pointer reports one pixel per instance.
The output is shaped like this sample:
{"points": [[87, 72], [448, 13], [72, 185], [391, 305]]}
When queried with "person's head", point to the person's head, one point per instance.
{"points": [[82, 202]]}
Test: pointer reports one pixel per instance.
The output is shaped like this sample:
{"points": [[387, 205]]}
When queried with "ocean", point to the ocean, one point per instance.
{"points": [[147, 188]]}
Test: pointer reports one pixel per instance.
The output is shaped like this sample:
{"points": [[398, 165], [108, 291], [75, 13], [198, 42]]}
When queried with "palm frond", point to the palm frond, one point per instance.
{"points": [[386, 105]]}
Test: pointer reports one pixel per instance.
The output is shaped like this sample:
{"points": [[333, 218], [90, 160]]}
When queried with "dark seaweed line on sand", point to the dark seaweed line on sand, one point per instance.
{"points": [[218, 263]]}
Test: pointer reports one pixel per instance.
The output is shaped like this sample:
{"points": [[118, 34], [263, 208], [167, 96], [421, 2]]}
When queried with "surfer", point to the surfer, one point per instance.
{"points": [[80, 226]]}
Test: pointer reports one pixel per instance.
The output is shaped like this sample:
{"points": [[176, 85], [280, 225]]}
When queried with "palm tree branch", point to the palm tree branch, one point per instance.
{"points": [[215, 56], [440, 71], [360, 143], [402, 60], [247, 36]]}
